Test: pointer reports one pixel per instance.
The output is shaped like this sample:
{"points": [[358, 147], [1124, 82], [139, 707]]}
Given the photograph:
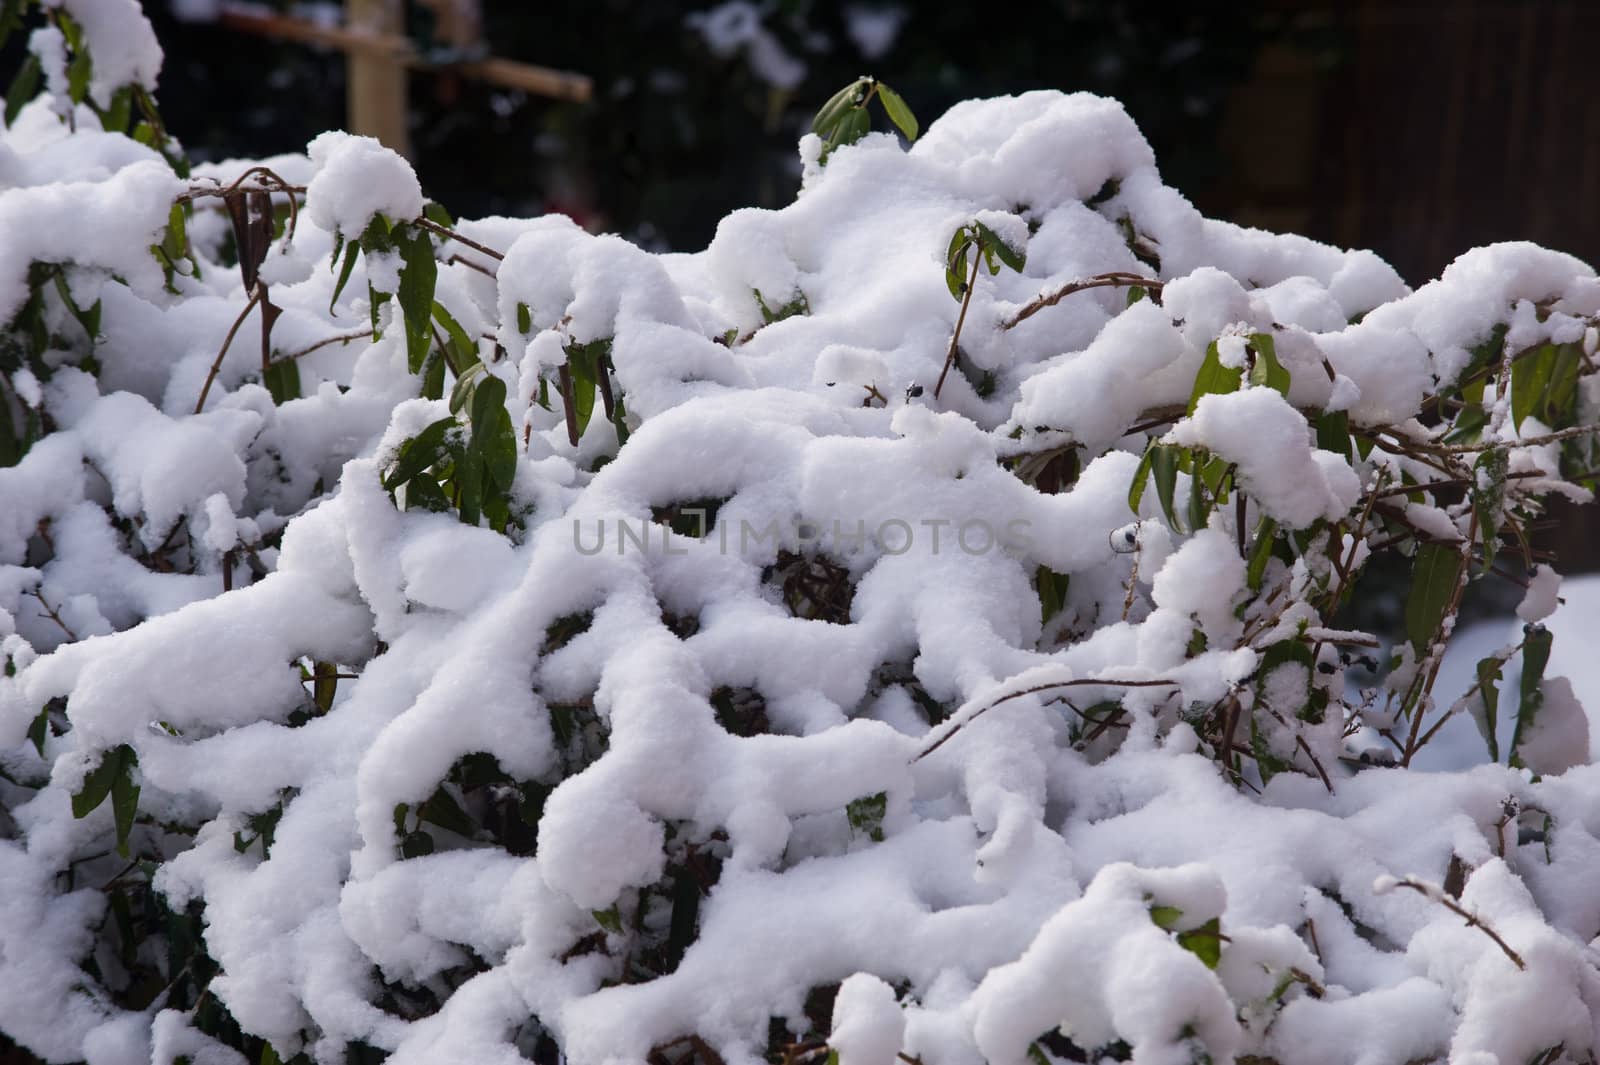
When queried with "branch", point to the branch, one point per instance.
{"points": [[1433, 892], [1113, 279], [1078, 683], [342, 338], [966, 301], [211, 376], [434, 227]]}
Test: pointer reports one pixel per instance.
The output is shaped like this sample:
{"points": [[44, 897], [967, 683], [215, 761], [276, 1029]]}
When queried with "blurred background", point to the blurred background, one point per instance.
{"points": [[1418, 129]]}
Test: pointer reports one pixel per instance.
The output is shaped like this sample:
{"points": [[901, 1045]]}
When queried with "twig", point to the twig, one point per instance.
{"points": [[469, 264], [434, 227], [1113, 279], [955, 338], [1527, 441], [1077, 683], [343, 338], [55, 617], [1472, 919], [205, 389]]}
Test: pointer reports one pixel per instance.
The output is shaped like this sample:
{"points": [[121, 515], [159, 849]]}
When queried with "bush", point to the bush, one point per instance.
{"points": [[925, 625]]}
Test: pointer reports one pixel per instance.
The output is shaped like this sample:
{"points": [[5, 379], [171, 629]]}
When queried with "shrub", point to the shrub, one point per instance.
{"points": [[926, 624]]}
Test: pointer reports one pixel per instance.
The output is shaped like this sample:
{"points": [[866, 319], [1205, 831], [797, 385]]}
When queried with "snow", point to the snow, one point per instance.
{"points": [[1047, 850]]}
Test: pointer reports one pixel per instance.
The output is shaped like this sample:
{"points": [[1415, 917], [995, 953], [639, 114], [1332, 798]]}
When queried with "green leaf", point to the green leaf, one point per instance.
{"points": [[282, 379], [1488, 498], [866, 815], [324, 685], [1530, 376], [1213, 378], [1489, 675], [418, 453], [1333, 432], [418, 273], [581, 363], [1561, 392], [1261, 553], [115, 118], [463, 352], [416, 845], [124, 796], [465, 385], [1535, 657], [1164, 465], [1204, 942], [1052, 588], [492, 436], [175, 241], [850, 129], [1166, 917], [1135, 294], [39, 730], [425, 492], [1433, 585], [23, 87], [10, 17], [1267, 370], [1141, 476], [1016, 260], [97, 785], [524, 319], [609, 919], [433, 366], [442, 809], [344, 271], [79, 73], [895, 107], [837, 106], [435, 213]]}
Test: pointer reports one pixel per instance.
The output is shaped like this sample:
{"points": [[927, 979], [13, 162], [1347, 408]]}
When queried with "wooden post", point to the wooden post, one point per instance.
{"points": [[376, 81]]}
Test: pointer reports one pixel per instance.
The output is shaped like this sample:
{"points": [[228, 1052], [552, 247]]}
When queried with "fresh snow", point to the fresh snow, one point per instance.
{"points": [[1021, 868]]}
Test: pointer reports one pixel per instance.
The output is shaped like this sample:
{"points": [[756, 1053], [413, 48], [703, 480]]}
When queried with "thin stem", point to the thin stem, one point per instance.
{"points": [[54, 616], [342, 338], [216, 365], [1472, 919], [955, 338], [434, 227], [1078, 683], [1113, 279]]}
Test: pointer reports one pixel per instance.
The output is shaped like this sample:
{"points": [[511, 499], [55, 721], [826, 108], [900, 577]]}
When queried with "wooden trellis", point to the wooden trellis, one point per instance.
{"points": [[381, 56]]}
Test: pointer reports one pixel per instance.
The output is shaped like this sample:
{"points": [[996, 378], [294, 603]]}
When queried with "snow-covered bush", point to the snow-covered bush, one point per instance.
{"points": [[914, 628]]}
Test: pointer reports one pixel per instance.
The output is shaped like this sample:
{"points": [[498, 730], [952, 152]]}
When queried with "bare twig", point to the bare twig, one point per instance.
{"points": [[434, 227], [1112, 279], [955, 338], [54, 616], [1472, 919], [216, 365], [1076, 683]]}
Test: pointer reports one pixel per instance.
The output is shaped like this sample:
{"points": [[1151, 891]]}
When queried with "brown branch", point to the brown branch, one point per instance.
{"points": [[955, 338], [469, 264], [1112, 279], [342, 338], [1472, 919], [55, 617], [216, 366], [434, 227], [1077, 683]]}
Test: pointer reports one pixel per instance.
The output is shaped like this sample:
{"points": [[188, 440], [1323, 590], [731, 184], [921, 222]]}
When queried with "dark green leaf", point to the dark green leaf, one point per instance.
{"points": [[344, 272], [1213, 378], [850, 129], [39, 730], [1267, 370], [1261, 553], [1333, 432], [866, 815], [442, 809], [1141, 476], [79, 72], [465, 385], [418, 272], [433, 366], [895, 107], [1164, 465], [115, 118], [463, 352], [1535, 657], [1489, 676], [492, 435], [1433, 585], [416, 845], [524, 319], [1530, 377], [1488, 498], [23, 87], [609, 919], [435, 213], [97, 785], [418, 453], [10, 17], [124, 796], [282, 379]]}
